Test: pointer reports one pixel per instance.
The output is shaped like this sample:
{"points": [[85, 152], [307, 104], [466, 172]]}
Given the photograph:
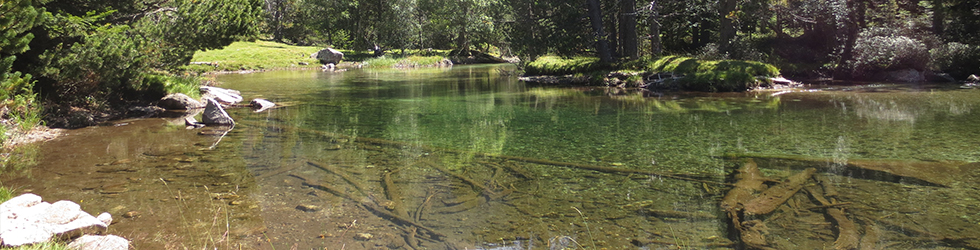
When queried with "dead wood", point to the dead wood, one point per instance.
{"points": [[871, 235], [393, 194], [753, 234], [680, 214], [482, 188], [942, 173], [370, 206], [748, 181], [829, 190], [771, 198], [847, 233], [377, 200]]}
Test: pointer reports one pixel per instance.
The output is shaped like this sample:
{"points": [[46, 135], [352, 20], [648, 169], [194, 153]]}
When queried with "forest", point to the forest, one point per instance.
{"points": [[60, 57]]}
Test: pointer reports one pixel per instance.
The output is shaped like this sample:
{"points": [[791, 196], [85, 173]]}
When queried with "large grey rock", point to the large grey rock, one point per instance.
{"points": [[26, 219], [223, 96], [259, 105], [99, 242], [179, 101], [214, 114], [328, 55]]}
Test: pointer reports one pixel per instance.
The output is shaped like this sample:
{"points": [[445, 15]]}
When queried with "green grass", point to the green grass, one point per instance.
{"points": [[265, 55], [403, 62], [189, 85], [555, 65], [256, 55], [5, 194]]}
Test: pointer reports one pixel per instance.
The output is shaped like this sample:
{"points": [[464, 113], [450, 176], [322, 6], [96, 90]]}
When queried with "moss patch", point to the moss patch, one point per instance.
{"points": [[698, 75], [554, 65]]}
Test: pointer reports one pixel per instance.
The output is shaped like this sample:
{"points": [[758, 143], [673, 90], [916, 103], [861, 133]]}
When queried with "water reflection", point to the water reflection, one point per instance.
{"points": [[470, 158]]}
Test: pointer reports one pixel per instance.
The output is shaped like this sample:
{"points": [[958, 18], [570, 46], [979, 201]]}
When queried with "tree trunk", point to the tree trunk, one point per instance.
{"points": [[855, 17], [595, 16], [727, 30], [627, 29], [656, 45], [938, 16]]}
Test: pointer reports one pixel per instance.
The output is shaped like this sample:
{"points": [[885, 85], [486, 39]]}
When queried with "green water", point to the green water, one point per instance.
{"points": [[470, 157]]}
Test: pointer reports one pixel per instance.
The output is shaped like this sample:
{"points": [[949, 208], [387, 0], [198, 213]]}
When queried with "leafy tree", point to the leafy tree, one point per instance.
{"points": [[16, 94], [99, 59]]}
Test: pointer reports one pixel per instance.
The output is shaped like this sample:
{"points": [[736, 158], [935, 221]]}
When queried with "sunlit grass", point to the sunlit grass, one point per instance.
{"points": [[555, 65], [403, 62], [256, 56]]}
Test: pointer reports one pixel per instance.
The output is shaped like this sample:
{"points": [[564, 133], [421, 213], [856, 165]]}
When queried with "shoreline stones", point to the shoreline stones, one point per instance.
{"points": [[259, 105], [328, 55], [214, 114], [179, 101], [26, 220]]}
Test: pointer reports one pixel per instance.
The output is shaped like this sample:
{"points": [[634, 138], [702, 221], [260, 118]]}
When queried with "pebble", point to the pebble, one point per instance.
{"points": [[308, 208], [131, 214], [363, 236]]}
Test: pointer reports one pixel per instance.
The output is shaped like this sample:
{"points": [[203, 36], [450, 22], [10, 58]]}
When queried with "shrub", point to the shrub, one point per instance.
{"points": [[957, 59], [874, 54]]}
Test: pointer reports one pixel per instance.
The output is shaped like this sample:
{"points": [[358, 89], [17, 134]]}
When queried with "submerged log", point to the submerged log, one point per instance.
{"points": [[748, 181], [753, 234], [942, 173], [369, 206], [777, 195], [847, 233]]}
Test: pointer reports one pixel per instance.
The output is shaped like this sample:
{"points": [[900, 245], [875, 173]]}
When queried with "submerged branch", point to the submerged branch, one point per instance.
{"points": [[372, 207]]}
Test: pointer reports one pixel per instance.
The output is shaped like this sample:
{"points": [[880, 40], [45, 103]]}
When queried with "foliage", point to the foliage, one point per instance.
{"points": [[555, 65], [957, 59], [17, 99], [103, 55], [396, 24], [885, 53]]}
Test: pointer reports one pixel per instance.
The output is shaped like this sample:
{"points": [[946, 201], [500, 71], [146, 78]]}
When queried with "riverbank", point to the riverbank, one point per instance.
{"points": [[663, 73]]}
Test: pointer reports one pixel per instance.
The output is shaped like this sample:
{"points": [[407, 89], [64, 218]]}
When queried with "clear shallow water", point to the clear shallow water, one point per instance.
{"points": [[469, 157]]}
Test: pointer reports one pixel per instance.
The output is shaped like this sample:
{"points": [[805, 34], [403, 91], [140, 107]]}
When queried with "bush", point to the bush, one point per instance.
{"points": [[874, 54], [957, 59]]}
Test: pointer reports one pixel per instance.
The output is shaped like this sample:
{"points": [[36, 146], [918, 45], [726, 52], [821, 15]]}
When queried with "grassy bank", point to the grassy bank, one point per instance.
{"points": [[698, 75], [265, 55], [258, 55]]}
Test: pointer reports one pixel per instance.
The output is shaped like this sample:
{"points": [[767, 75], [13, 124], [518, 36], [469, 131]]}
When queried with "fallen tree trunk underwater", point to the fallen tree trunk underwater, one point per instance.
{"points": [[940, 173]]}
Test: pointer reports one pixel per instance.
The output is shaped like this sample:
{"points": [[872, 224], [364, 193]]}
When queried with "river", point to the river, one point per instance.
{"points": [[469, 157]]}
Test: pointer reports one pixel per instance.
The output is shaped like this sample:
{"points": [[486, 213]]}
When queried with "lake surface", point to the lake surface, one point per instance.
{"points": [[471, 158]]}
